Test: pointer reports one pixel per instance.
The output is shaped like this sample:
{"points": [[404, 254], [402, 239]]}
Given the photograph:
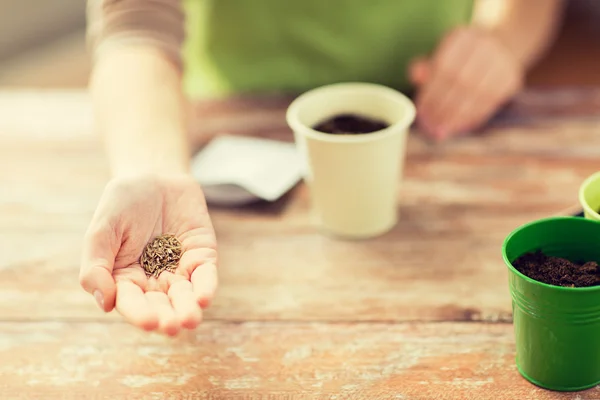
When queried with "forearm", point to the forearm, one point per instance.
{"points": [[526, 27], [140, 112], [136, 84]]}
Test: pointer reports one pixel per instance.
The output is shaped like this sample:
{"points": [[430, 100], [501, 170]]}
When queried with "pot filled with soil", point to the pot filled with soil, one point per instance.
{"points": [[352, 139], [554, 282], [589, 196]]}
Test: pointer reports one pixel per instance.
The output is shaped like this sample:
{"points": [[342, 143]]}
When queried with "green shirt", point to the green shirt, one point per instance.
{"points": [[246, 46]]}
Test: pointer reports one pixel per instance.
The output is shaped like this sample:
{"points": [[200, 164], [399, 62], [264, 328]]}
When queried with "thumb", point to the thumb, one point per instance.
{"points": [[419, 71], [97, 264]]}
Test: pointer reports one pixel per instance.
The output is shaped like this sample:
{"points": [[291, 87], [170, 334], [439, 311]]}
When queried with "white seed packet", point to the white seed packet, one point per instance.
{"points": [[237, 170]]}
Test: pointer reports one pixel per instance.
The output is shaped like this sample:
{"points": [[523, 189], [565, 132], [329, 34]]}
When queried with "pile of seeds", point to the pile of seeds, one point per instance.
{"points": [[161, 254]]}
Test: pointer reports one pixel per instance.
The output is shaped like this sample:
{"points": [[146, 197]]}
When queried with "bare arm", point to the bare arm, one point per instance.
{"points": [[140, 111], [527, 28], [136, 84]]}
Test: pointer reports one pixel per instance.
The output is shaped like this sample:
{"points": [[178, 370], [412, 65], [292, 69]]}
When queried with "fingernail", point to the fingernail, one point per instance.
{"points": [[99, 299]]}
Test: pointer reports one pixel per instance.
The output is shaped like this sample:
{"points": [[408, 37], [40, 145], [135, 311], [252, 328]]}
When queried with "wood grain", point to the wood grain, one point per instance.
{"points": [[458, 202], [422, 312], [265, 361]]}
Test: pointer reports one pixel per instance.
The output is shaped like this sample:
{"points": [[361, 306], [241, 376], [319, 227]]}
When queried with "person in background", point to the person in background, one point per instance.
{"points": [[462, 60]]}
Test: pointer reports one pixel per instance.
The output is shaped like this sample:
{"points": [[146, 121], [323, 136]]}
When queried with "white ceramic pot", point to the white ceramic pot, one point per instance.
{"points": [[353, 179]]}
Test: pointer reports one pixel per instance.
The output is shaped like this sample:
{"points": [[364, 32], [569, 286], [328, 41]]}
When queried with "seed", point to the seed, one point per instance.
{"points": [[161, 254]]}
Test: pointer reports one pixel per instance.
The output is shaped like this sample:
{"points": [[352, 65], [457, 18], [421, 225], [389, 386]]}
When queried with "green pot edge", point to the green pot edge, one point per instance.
{"points": [[513, 270], [554, 388]]}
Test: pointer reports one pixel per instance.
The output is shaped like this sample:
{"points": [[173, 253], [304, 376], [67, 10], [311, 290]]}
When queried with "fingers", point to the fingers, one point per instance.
{"points": [[484, 97], [419, 71], [471, 76], [184, 302], [95, 274], [434, 103], [199, 265], [154, 309], [455, 99], [450, 66], [205, 281], [471, 111], [160, 303], [134, 306]]}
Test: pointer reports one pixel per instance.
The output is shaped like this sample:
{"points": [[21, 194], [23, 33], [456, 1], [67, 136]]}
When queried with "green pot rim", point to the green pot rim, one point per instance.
{"points": [[533, 281]]}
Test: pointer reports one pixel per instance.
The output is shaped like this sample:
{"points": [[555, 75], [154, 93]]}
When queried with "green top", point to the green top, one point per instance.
{"points": [[236, 46]]}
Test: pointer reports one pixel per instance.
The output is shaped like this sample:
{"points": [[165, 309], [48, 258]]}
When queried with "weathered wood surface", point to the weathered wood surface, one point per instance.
{"points": [[442, 262], [284, 286], [467, 361]]}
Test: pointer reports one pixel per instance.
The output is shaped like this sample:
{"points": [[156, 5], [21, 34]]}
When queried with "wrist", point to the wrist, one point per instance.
{"points": [[148, 161], [155, 167], [145, 151]]}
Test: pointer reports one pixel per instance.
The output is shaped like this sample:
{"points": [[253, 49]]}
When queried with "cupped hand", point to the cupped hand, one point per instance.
{"points": [[469, 77], [131, 213]]}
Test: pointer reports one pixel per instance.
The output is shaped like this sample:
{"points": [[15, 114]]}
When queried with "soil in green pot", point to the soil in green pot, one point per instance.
{"points": [[558, 271]]}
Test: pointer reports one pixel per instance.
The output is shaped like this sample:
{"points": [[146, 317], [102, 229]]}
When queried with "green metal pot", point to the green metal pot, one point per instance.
{"points": [[557, 329]]}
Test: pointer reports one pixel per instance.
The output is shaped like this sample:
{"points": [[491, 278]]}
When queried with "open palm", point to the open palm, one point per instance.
{"points": [[130, 214]]}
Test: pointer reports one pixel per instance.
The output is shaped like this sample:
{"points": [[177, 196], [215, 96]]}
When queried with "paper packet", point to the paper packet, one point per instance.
{"points": [[237, 170]]}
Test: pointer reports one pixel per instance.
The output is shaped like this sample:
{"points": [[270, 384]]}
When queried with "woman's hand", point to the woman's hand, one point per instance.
{"points": [[469, 77], [132, 211]]}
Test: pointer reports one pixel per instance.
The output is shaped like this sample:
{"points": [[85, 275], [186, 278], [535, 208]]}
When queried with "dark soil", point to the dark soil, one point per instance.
{"points": [[558, 271], [346, 124]]}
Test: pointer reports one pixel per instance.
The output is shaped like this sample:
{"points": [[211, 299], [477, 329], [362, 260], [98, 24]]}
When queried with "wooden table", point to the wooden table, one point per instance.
{"points": [[420, 313]]}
